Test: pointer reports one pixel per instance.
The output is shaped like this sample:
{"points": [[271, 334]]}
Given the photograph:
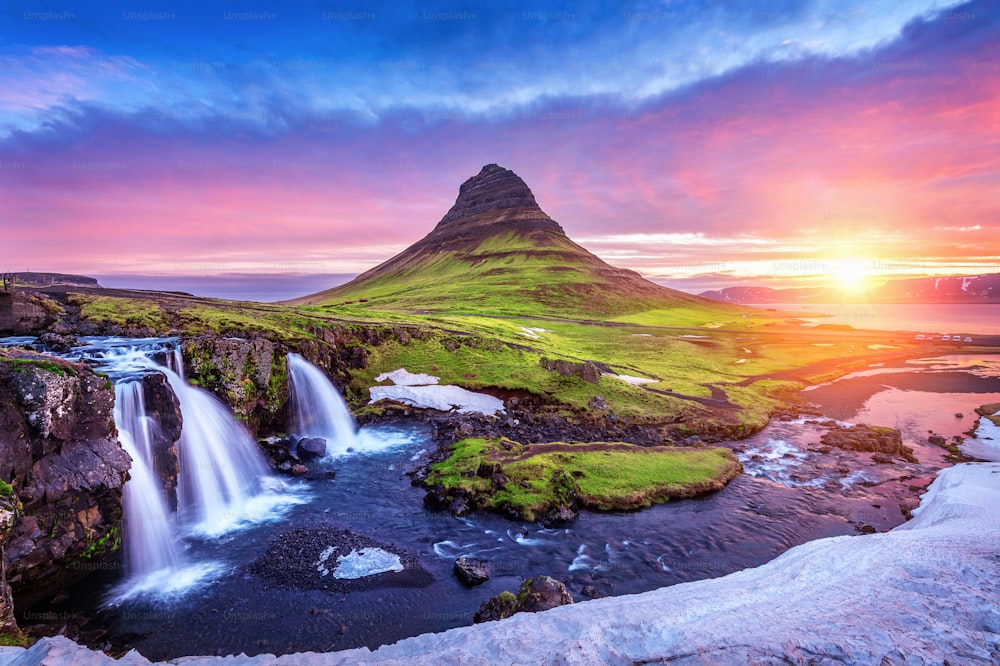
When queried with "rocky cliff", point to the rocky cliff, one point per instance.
{"points": [[63, 465]]}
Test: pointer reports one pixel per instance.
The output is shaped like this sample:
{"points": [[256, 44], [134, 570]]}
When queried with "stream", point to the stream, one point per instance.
{"points": [[790, 493]]}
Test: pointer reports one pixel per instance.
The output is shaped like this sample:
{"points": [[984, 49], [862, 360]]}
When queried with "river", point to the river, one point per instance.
{"points": [[791, 493]]}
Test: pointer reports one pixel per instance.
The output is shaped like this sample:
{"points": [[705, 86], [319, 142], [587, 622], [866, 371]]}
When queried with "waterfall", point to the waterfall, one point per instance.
{"points": [[223, 481], [317, 410], [149, 542], [221, 468], [175, 361]]}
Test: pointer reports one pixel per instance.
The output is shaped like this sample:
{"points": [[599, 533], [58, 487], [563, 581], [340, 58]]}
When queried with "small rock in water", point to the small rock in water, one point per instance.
{"points": [[472, 570], [958, 415], [310, 448], [299, 470], [936, 439]]}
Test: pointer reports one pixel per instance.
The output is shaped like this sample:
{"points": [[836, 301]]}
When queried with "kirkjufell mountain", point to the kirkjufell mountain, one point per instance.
{"points": [[496, 251]]}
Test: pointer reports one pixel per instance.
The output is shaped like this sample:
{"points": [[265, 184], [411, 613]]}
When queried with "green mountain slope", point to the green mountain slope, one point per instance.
{"points": [[497, 252]]}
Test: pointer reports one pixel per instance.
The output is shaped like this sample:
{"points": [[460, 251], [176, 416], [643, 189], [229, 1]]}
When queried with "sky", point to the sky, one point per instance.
{"points": [[265, 150]]}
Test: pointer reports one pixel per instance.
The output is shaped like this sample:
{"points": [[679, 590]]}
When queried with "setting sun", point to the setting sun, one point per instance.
{"points": [[851, 275]]}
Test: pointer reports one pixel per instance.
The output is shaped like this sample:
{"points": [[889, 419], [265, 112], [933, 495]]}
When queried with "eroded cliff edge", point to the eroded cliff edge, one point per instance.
{"points": [[62, 471]]}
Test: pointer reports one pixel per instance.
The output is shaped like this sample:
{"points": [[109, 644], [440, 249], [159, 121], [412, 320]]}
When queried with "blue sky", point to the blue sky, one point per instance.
{"points": [[700, 143]]}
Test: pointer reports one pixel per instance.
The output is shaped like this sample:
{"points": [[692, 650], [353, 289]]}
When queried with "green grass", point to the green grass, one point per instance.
{"points": [[506, 274], [16, 639], [603, 476], [127, 312], [21, 364]]}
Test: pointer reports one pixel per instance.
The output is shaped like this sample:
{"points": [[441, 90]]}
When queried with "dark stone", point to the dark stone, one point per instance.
{"points": [[959, 415], [472, 571], [164, 408], [867, 529], [59, 450], [458, 506], [536, 594], [310, 448], [56, 342], [586, 370], [560, 516], [598, 402], [937, 440], [299, 470]]}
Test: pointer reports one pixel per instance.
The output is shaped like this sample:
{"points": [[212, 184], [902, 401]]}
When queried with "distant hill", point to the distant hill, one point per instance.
{"points": [[497, 252], [32, 279], [759, 295], [956, 289]]}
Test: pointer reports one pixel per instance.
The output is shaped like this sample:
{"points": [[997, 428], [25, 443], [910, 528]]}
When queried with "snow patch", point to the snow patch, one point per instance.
{"points": [[532, 332], [422, 391], [444, 398], [634, 381], [402, 377], [986, 444]]}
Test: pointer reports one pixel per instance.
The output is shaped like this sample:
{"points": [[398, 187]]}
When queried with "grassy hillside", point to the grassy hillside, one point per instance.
{"points": [[511, 273]]}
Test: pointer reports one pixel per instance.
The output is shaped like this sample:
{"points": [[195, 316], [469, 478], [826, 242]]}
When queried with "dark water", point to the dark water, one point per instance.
{"points": [[789, 495], [749, 523]]}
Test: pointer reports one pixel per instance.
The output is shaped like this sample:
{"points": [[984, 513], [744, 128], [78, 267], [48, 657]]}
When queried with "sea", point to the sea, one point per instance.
{"points": [[942, 319]]}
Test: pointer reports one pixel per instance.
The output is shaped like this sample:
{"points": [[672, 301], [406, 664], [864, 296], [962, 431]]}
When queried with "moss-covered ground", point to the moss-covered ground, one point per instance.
{"points": [[606, 476], [708, 365]]}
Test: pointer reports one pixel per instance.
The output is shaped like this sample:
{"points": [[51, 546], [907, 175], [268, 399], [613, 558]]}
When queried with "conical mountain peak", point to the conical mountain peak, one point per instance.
{"points": [[495, 251], [494, 196]]}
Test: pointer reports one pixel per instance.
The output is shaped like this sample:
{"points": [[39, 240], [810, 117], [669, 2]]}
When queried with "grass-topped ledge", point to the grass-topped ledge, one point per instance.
{"points": [[550, 482]]}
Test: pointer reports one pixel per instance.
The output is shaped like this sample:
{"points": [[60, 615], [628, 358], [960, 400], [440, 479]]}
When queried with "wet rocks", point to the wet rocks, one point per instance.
{"points": [[56, 342], [163, 407], [310, 448], [472, 571], [875, 439], [236, 369], [536, 594], [297, 558], [60, 457], [937, 440]]}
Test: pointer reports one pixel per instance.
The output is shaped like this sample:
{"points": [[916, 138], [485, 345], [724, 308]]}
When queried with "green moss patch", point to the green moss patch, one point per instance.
{"points": [[529, 481]]}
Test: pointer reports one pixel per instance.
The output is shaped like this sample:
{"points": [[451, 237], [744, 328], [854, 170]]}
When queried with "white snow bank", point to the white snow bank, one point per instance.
{"points": [[422, 391], [532, 332], [925, 592], [986, 444], [402, 377], [443, 398], [635, 381]]}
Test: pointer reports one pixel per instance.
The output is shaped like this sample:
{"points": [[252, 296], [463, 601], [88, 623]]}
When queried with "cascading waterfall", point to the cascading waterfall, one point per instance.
{"points": [[150, 542], [223, 479], [221, 468], [317, 410]]}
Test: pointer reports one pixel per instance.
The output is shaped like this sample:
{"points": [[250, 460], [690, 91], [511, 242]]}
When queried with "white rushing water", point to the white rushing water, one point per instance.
{"points": [[150, 539], [222, 470], [223, 481], [317, 410]]}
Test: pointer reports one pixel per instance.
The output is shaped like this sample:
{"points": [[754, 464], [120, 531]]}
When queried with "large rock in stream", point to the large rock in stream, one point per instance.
{"points": [[874, 439], [60, 456]]}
